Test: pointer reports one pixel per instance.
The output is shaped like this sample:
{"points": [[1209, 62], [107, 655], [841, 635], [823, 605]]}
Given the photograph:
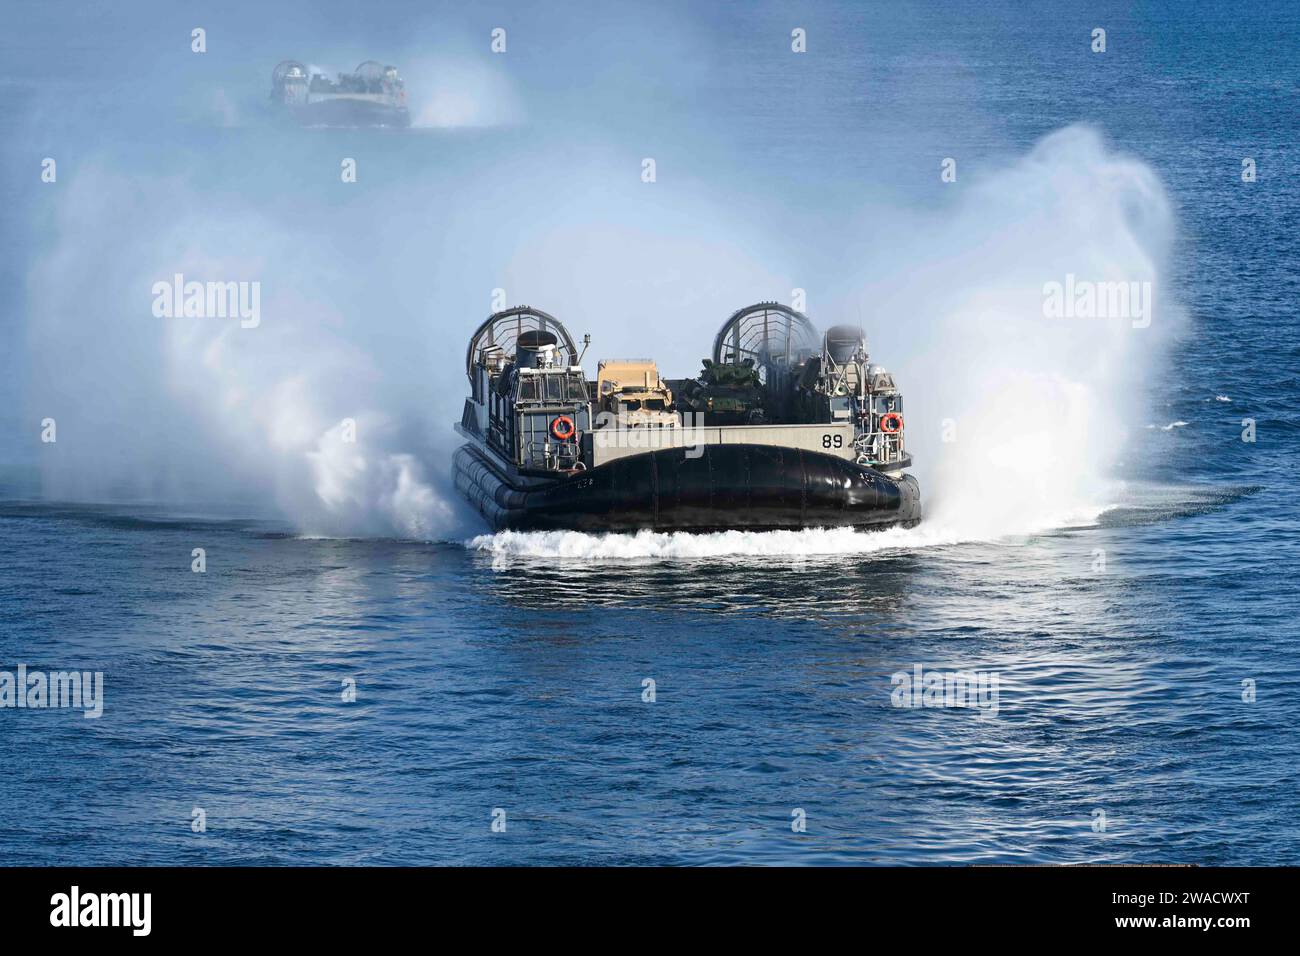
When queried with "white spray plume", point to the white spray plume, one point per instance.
{"points": [[452, 91], [1016, 420], [372, 330], [298, 416]]}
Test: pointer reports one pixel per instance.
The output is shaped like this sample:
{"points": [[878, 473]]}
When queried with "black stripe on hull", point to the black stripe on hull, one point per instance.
{"points": [[346, 112], [750, 487]]}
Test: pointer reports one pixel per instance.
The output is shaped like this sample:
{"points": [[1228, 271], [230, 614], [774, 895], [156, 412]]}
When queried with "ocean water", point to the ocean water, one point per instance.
{"points": [[1121, 561]]}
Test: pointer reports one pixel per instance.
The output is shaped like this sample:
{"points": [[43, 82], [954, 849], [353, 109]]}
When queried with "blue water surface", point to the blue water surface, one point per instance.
{"points": [[516, 683]]}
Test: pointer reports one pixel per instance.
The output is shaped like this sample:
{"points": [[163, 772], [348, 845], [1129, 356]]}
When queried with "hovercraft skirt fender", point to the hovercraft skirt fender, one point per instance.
{"points": [[707, 488]]}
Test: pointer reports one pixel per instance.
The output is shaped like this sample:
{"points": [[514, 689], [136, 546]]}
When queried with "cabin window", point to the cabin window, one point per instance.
{"points": [[528, 388], [577, 389], [554, 388]]}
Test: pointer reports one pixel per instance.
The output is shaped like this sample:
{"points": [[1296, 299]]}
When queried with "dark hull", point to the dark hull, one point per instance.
{"points": [[345, 112], [750, 487]]}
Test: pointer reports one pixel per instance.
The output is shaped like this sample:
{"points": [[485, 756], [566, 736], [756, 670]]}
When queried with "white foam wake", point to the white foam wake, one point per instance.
{"points": [[685, 546], [680, 545]]}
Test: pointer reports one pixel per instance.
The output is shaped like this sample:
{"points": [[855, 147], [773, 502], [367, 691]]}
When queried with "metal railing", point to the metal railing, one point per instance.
{"points": [[880, 448], [553, 455]]}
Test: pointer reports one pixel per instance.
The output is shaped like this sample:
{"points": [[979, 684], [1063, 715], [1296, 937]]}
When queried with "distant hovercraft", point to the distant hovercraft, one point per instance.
{"points": [[371, 95]]}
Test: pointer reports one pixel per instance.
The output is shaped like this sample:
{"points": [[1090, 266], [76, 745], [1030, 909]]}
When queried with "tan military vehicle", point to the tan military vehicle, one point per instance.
{"points": [[633, 390]]}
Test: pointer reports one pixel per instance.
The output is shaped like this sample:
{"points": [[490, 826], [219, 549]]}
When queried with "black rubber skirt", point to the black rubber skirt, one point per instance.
{"points": [[346, 112], [754, 487]]}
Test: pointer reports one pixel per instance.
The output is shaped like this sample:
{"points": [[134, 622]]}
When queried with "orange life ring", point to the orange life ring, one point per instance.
{"points": [[891, 418], [562, 428]]}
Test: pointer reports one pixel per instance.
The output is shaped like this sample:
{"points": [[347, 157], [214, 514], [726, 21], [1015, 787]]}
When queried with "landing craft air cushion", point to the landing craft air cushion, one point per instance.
{"points": [[783, 429], [371, 95]]}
